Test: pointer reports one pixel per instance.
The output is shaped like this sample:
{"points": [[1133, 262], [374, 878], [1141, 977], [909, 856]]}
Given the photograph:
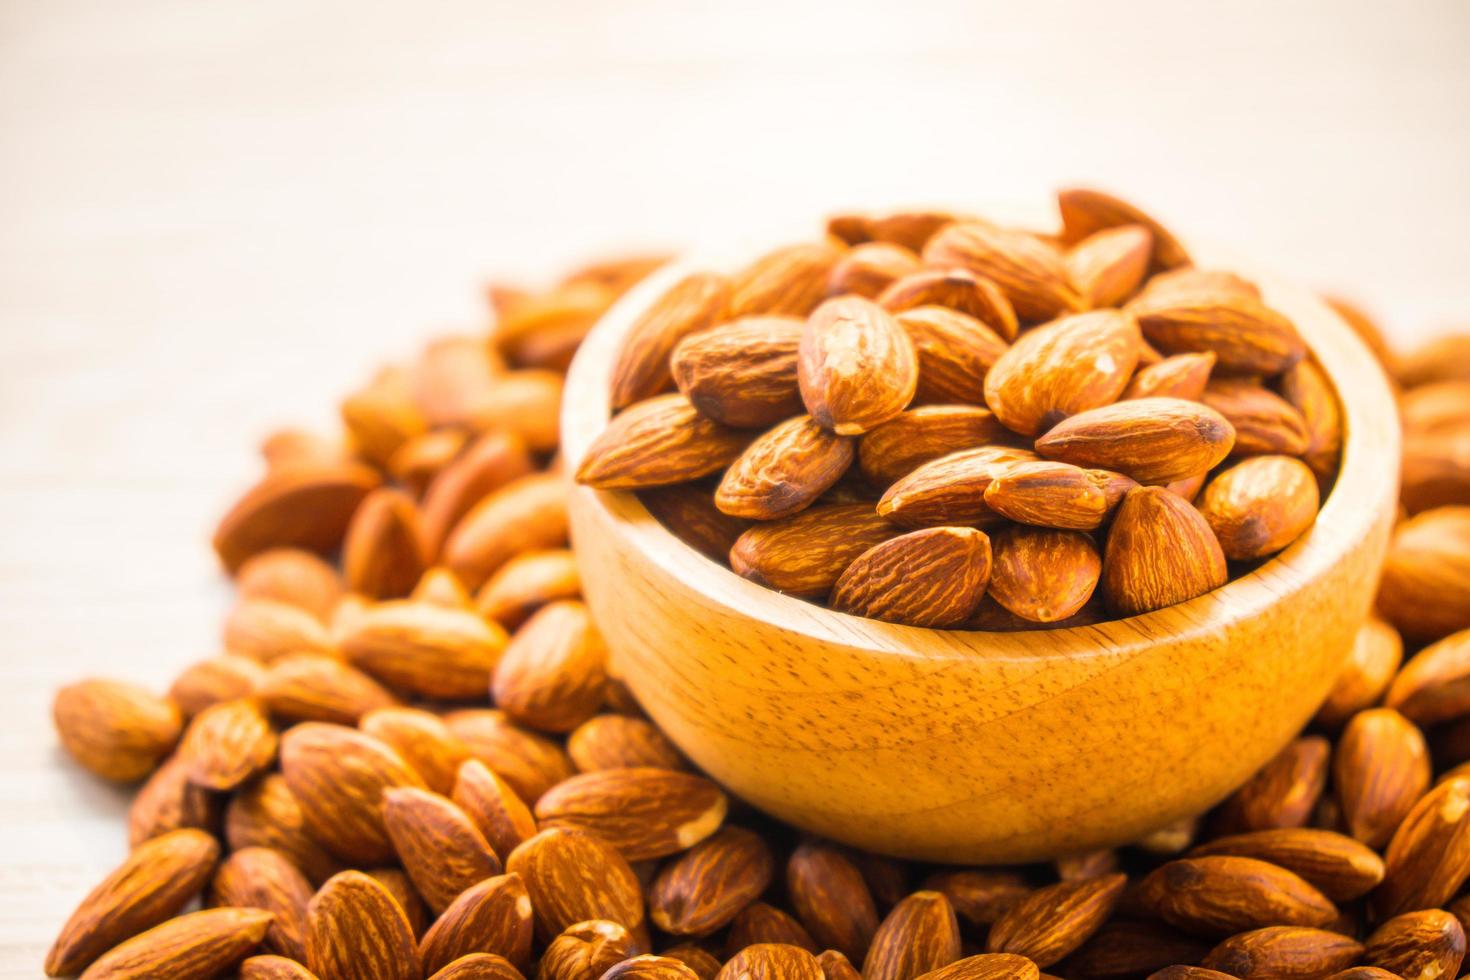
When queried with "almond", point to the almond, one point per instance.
{"points": [[526, 403], [217, 679], [911, 229], [1375, 657], [950, 489], [784, 470], [689, 512], [479, 966], [1246, 336], [115, 730], [1306, 388], [227, 743], [1434, 685], [528, 514], [530, 763], [1133, 949], [761, 923], [290, 575], [1160, 551], [290, 447], [620, 742], [1264, 422], [1428, 860], [706, 967], [400, 886], [1425, 588], [310, 687], [644, 813], [870, 268], [1152, 440], [489, 801], [200, 944], [955, 353], [381, 416], [1283, 951], [652, 968], [421, 459], [1046, 494], [258, 877], [902, 444], [1051, 922], [545, 330], [958, 290], [694, 303], [657, 442], [422, 740], [585, 951], [1107, 266], [152, 884], [168, 801], [271, 967], [769, 961], [1436, 470], [440, 848], [384, 554], [450, 377], [527, 582], [302, 505], [1380, 770], [1220, 895], [742, 374], [572, 876], [934, 577], [1338, 866], [1086, 212], [1181, 376], [492, 461], [425, 649], [1043, 575], [493, 916], [804, 555], [986, 966], [791, 281], [356, 931], [1027, 270], [828, 893], [265, 813], [265, 630], [1063, 368], [1283, 792], [1423, 945], [920, 935], [856, 367], [1259, 506], [704, 888], [979, 896], [553, 672]]}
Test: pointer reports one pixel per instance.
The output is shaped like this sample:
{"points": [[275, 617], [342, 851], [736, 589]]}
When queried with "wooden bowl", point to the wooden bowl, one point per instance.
{"points": [[985, 747]]}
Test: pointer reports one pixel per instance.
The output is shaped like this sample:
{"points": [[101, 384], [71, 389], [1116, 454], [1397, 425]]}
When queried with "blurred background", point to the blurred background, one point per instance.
{"points": [[217, 217]]}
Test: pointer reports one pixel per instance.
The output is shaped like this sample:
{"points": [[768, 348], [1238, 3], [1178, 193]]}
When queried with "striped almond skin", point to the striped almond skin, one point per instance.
{"points": [[1181, 376], [313, 687], [265, 813], [573, 876], [200, 944], [869, 268], [1043, 575], [1434, 686], [955, 352], [985, 966], [527, 514], [1160, 551], [706, 966], [1341, 868], [437, 844], [222, 678], [804, 555], [1220, 895], [644, 813], [293, 576], [227, 743], [651, 967], [789, 281], [1264, 422], [529, 762], [658, 442], [763, 923], [933, 577], [919, 935], [400, 886], [529, 581], [1426, 943], [1371, 667], [784, 470], [1428, 860], [1029, 271], [260, 878], [615, 741], [704, 888], [742, 373], [1306, 388], [693, 304], [303, 505], [768, 961], [954, 289], [490, 802], [1283, 792], [1380, 769], [554, 672], [384, 552], [422, 740], [356, 931], [1283, 951], [856, 366], [979, 896], [272, 967], [1086, 211], [425, 649], [586, 950], [1247, 336], [1108, 266], [493, 916], [828, 893], [479, 966], [1047, 494], [950, 489], [1152, 440], [168, 801], [1260, 505], [1051, 922], [115, 730], [152, 884], [903, 444]]}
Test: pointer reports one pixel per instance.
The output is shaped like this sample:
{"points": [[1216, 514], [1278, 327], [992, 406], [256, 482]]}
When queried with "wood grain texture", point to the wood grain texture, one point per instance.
{"points": [[984, 747]]}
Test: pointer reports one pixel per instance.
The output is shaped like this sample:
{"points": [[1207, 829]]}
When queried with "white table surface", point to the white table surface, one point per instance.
{"points": [[215, 217]]}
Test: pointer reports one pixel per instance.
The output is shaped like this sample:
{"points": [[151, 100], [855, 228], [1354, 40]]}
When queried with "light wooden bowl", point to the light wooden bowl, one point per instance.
{"points": [[985, 747]]}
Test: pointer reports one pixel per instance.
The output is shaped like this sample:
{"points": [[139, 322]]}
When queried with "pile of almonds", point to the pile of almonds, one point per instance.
{"points": [[336, 790], [935, 420]]}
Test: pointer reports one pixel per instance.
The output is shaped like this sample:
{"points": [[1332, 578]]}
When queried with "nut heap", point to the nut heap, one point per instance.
{"points": [[337, 791], [938, 421]]}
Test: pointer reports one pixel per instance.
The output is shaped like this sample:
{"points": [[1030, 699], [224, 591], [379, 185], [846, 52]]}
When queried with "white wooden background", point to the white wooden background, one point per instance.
{"points": [[214, 217]]}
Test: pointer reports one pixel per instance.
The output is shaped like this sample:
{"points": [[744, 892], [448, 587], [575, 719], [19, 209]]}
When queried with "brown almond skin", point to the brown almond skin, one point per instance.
{"points": [[1377, 652], [425, 649], [200, 944], [528, 514], [986, 966], [490, 802], [1052, 922], [828, 894], [910, 229], [1160, 551], [532, 579], [870, 268], [1153, 440], [955, 352], [835, 966], [934, 578], [784, 470], [804, 555], [652, 967], [1436, 470], [1425, 588], [657, 442], [742, 374], [422, 740], [479, 966], [1259, 506], [1423, 945], [1428, 860], [788, 281], [614, 741], [419, 460], [1288, 952], [258, 877], [293, 576], [266, 630], [585, 951], [493, 916], [1047, 494], [856, 367], [979, 895], [384, 552], [168, 801], [1181, 376], [152, 884], [1380, 769], [902, 444], [265, 813], [315, 687], [227, 744], [553, 672], [707, 967], [356, 931], [1283, 792], [689, 512], [1306, 388], [957, 290], [644, 813], [696, 302], [1180, 972], [115, 730], [704, 888], [1341, 868], [529, 762], [449, 377], [338, 776], [762, 923], [950, 489], [572, 876], [1062, 368], [437, 844], [1364, 973], [272, 967], [1245, 335], [1107, 266], [494, 460], [1124, 948], [1434, 686], [398, 885], [1028, 271], [1264, 422], [1043, 575], [771, 961], [222, 678], [918, 936], [1220, 895], [1085, 212], [302, 505]]}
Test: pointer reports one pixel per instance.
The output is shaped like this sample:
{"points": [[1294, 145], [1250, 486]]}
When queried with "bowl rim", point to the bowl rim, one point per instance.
{"points": [[1363, 489]]}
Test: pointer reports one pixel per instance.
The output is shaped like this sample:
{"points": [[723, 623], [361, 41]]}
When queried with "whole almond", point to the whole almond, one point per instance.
{"points": [[227, 743], [545, 329], [1085, 212], [527, 582], [707, 967], [222, 678], [1260, 505], [1434, 685], [1123, 948], [338, 776], [689, 511], [618, 742], [986, 966], [870, 268], [902, 444], [771, 961], [418, 461], [644, 813], [302, 505], [265, 813], [553, 672], [910, 229], [742, 374], [950, 489], [493, 916], [572, 876], [955, 353], [920, 935], [1043, 575], [479, 966], [356, 931], [979, 896], [704, 888], [1374, 660], [1436, 470], [1246, 336], [934, 577], [1180, 972], [494, 460], [1380, 770], [1428, 860], [762, 923], [1181, 376], [527, 403], [530, 763], [790, 280], [425, 649], [1306, 388], [694, 303], [804, 555], [1027, 270], [501, 816], [1107, 266], [115, 730], [1264, 422], [437, 844], [528, 514], [384, 553], [954, 289], [1283, 951], [169, 801], [1220, 895], [1047, 494], [784, 470], [258, 877], [829, 895], [657, 442], [450, 376], [272, 967], [1152, 440], [1062, 368], [400, 886], [585, 951], [856, 367], [200, 944], [312, 687], [152, 884], [1423, 945], [651, 967], [1160, 551], [293, 576], [1425, 588], [422, 740], [266, 630], [1283, 792], [1051, 922], [1338, 866]]}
